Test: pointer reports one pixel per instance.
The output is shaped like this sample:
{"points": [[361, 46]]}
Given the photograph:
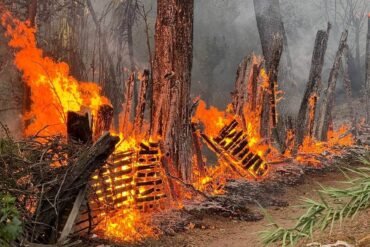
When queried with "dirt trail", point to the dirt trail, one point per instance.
{"points": [[225, 232]]}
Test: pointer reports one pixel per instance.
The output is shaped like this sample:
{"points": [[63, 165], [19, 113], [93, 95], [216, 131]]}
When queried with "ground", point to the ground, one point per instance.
{"points": [[223, 232]]}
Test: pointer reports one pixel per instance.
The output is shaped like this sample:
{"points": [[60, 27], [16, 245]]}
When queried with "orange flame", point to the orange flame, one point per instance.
{"points": [[54, 91]]}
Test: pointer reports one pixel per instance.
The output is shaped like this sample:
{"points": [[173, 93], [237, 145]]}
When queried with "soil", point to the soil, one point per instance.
{"points": [[224, 232]]}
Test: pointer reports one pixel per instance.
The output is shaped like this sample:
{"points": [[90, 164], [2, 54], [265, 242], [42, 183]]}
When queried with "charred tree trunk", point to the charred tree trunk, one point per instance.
{"points": [[307, 110], [172, 67], [32, 13], [103, 120], [348, 87], [271, 32], [127, 109], [140, 108], [328, 99], [367, 83], [269, 24], [130, 44], [272, 67], [78, 128]]}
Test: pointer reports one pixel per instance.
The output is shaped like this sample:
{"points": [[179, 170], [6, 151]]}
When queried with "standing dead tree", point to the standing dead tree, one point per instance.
{"points": [[307, 110], [245, 92], [172, 70], [140, 108], [367, 82], [328, 98], [271, 32], [348, 87]]}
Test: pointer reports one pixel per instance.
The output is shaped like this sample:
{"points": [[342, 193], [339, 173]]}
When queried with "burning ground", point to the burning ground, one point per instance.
{"points": [[77, 175]]}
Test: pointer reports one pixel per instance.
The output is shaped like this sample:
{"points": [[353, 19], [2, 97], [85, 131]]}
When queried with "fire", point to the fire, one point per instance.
{"points": [[127, 225], [212, 118], [54, 91], [336, 139]]}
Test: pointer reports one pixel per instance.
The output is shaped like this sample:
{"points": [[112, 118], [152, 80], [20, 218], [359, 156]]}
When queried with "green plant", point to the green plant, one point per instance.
{"points": [[335, 204], [10, 225]]}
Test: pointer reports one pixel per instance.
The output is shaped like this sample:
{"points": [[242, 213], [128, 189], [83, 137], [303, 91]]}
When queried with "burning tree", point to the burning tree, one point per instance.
{"points": [[171, 82]]}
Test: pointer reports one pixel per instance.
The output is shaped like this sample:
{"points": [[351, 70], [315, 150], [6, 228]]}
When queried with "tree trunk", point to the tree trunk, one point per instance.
{"points": [[140, 108], [127, 106], [367, 85], [348, 87], [307, 110], [172, 67], [328, 99], [269, 24], [103, 120], [32, 13], [78, 127], [130, 44]]}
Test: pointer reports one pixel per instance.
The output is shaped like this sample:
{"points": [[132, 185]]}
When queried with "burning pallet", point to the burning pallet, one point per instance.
{"points": [[231, 146], [131, 178]]}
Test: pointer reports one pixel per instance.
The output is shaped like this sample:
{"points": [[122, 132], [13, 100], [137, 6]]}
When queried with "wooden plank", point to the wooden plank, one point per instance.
{"points": [[72, 216]]}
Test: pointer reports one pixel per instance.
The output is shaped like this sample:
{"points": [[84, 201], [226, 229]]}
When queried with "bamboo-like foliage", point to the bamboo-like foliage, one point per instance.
{"points": [[335, 205]]}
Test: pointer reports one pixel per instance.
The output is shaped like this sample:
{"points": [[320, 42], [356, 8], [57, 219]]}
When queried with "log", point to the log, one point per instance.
{"points": [[328, 99], [307, 110], [140, 108], [54, 202], [78, 127], [367, 85], [103, 120]]}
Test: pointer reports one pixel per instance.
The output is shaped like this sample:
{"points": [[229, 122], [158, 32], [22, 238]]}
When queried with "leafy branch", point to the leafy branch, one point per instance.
{"points": [[335, 205]]}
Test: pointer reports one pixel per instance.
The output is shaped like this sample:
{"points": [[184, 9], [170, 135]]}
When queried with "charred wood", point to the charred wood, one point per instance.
{"points": [[367, 83], [328, 98], [348, 87], [307, 110], [78, 127], [56, 199], [172, 67], [140, 108], [127, 109], [103, 120]]}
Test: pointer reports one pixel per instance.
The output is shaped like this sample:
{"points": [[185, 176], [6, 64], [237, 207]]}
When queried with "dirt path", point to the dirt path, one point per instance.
{"points": [[225, 232]]}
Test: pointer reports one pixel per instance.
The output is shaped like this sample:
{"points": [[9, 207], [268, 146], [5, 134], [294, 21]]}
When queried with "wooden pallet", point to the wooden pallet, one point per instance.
{"points": [[231, 146]]}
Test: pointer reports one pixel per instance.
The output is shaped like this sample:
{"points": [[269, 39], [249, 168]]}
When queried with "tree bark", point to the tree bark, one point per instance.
{"points": [[127, 110], [103, 120], [78, 128], [328, 99], [367, 83], [269, 24], [172, 68], [140, 108], [307, 110], [348, 87]]}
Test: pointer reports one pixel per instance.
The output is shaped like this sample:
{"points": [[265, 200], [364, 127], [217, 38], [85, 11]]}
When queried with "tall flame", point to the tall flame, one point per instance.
{"points": [[54, 91]]}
